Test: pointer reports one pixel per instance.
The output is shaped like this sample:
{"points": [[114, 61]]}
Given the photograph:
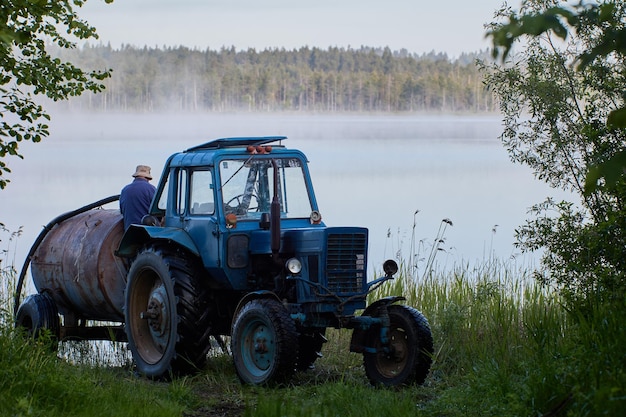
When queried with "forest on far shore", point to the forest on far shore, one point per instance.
{"points": [[305, 79]]}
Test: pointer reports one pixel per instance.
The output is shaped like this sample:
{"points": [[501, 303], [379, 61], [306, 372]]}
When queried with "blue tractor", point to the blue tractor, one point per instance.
{"points": [[235, 246]]}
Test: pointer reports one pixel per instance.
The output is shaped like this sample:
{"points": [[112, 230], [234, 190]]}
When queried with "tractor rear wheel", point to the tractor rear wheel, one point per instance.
{"points": [[264, 342], [166, 316], [409, 353]]}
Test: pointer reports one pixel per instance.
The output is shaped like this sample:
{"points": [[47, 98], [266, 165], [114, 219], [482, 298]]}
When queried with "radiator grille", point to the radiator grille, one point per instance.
{"points": [[345, 262]]}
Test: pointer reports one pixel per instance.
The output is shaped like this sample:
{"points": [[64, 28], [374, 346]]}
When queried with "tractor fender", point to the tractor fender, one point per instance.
{"points": [[255, 295], [369, 311], [138, 236], [359, 333]]}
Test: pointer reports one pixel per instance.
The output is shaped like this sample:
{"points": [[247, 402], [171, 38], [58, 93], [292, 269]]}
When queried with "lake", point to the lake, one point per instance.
{"points": [[399, 176]]}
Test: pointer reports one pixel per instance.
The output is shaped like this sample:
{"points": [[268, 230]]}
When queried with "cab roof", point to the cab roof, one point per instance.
{"points": [[235, 142], [208, 153]]}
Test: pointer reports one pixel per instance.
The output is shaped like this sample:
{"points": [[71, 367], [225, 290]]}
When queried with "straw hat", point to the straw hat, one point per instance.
{"points": [[143, 171]]}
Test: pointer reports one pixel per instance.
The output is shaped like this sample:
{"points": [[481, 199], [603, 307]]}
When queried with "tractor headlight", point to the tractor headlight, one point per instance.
{"points": [[293, 265]]}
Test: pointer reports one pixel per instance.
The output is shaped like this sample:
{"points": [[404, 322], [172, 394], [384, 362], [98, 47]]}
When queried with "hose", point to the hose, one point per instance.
{"points": [[42, 235]]}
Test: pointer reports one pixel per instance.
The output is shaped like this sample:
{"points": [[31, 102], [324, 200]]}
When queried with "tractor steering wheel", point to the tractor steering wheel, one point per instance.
{"points": [[237, 209]]}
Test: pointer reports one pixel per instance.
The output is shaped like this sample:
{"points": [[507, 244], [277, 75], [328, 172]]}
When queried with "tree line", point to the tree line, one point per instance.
{"points": [[307, 79]]}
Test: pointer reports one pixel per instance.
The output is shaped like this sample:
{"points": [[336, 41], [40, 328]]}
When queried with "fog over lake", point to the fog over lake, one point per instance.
{"points": [[374, 171]]}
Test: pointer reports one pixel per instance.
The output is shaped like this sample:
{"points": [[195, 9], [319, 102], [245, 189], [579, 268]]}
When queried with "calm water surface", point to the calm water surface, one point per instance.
{"points": [[386, 173]]}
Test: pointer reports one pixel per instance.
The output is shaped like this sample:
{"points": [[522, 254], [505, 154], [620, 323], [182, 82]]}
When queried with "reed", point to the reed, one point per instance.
{"points": [[8, 273]]}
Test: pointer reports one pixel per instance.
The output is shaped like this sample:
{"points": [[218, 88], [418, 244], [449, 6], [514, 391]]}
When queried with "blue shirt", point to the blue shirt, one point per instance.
{"points": [[135, 200]]}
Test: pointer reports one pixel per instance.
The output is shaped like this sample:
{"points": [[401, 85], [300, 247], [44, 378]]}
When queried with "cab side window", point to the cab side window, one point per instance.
{"points": [[202, 201], [163, 193], [181, 192]]}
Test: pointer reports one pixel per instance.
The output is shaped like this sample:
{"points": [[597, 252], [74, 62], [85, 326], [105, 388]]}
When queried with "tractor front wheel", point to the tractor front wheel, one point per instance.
{"points": [[264, 342], [407, 357]]}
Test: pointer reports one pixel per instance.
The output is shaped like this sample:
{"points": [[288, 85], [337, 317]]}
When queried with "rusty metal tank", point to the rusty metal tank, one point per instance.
{"points": [[76, 264]]}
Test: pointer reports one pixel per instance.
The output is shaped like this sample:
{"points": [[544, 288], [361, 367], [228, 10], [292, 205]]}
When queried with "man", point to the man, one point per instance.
{"points": [[136, 197]]}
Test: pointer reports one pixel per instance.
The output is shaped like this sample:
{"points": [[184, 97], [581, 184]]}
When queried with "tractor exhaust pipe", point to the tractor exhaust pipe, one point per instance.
{"points": [[275, 216]]}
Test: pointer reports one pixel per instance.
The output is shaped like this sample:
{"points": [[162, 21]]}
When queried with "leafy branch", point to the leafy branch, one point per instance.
{"points": [[563, 21], [27, 28]]}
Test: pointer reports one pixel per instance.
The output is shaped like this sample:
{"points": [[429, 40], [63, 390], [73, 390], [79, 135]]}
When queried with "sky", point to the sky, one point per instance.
{"points": [[419, 26]]}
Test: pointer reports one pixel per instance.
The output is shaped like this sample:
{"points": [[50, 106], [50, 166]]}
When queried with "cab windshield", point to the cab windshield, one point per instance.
{"points": [[247, 187]]}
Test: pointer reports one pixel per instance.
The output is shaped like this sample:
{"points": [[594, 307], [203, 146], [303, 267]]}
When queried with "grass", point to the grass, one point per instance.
{"points": [[504, 346], [36, 383]]}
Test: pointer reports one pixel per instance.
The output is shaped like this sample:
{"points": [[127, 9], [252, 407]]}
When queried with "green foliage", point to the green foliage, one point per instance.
{"points": [[533, 24], [601, 29], [585, 259], [27, 69], [304, 79], [555, 114]]}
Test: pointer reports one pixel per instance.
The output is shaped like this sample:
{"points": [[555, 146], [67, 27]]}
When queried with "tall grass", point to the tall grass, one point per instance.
{"points": [[8, 273], [34, 381], [504, 346]]}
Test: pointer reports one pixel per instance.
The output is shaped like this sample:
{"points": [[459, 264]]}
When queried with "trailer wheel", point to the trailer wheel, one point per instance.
{"points": [[38, 312], [264, 343], [410, 351], [165, 315]]}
